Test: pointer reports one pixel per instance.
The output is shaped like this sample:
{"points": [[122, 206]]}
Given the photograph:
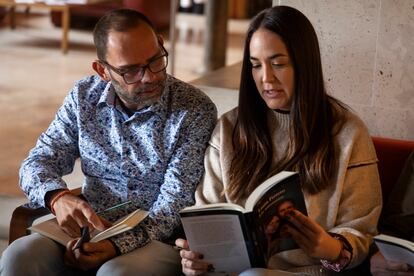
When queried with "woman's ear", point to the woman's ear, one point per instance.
{"points": [[100, 70]]}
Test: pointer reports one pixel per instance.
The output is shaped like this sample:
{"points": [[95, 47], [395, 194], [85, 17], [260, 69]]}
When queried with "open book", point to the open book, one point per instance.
{"points": [[52, 230], [234, 238], [395, 249]]}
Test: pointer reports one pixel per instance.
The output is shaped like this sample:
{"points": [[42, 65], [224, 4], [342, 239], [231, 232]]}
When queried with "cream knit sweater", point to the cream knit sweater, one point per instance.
{"points": [[350, 206]]}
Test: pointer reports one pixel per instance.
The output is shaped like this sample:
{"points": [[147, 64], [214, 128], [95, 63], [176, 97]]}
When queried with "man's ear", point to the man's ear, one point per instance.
{"points": [[100, 69]]}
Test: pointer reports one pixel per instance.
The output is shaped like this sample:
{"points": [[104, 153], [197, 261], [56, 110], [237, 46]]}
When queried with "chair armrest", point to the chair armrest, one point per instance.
{"points": [[23, 217]]}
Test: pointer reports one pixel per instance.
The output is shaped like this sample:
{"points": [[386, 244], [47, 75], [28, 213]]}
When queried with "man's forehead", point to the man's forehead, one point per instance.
{"points": [[134, 46]]}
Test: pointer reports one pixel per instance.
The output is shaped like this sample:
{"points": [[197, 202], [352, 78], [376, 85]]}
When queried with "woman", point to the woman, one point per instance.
{"points": [[286, 121]]}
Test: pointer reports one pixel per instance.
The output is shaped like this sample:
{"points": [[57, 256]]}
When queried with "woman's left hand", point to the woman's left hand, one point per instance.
{"points": [[311, 237]]}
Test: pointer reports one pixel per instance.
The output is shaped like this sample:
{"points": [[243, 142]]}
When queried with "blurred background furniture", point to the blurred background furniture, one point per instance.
{"points": [[86, 16], [2, 13]]}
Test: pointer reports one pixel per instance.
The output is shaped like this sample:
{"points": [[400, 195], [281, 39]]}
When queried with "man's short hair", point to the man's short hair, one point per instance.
{"points": [[119, 20]]}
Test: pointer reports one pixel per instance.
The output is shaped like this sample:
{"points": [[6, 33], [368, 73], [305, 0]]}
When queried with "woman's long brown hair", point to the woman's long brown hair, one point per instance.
{"points": [[313, 116]]}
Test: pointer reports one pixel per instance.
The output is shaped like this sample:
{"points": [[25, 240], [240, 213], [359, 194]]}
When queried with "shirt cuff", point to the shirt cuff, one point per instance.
{"points": [[344, 258]]}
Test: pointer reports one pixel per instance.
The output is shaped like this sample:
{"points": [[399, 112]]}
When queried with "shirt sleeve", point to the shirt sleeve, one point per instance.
{"points": [[53, 156], [183, 173], [361, 201]]}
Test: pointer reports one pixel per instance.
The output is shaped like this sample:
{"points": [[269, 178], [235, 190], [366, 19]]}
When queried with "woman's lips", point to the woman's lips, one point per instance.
{"points": [[273, 93]]}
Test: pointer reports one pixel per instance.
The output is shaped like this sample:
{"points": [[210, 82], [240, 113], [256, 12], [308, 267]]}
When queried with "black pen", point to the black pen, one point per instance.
{"points": [[85, 237]]}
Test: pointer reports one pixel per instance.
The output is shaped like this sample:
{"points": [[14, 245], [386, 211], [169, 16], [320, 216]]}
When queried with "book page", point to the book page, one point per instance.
{"points": [[220, 239], [214, 206], [51, 229], [395, 249], [129, 222]]}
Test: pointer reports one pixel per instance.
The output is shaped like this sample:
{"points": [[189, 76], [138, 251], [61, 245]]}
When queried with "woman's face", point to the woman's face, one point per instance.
{"points": [[272, 70]]}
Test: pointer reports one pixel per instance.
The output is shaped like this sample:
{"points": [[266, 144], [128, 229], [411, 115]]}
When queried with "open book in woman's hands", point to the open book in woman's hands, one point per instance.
{"points": [[234, 238], [52, 230]]}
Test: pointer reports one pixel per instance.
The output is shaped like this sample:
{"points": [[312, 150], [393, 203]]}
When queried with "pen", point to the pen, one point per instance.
{"points": [[114, 207], [85, 237]]}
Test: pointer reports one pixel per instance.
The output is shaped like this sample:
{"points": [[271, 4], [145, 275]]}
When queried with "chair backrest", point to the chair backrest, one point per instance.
{"points": [[392, 155]]}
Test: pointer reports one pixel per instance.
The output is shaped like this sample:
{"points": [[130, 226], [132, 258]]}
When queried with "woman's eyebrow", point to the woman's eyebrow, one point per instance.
{"points": [[270, 57]]}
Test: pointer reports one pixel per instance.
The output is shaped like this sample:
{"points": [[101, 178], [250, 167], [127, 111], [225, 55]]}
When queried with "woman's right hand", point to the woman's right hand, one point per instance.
{"points": [[191, 262]]}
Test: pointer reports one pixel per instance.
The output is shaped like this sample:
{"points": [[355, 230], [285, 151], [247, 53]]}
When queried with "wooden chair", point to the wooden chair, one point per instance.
{"points": [[24, 216]]}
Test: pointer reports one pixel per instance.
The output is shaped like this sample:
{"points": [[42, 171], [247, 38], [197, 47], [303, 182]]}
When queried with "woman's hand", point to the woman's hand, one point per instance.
{"points": [[381, 267], [311, 237], [191, 262]]}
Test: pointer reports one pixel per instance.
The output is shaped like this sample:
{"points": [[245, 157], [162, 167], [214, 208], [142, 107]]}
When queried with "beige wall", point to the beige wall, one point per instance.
{"points": [[368, 56]]}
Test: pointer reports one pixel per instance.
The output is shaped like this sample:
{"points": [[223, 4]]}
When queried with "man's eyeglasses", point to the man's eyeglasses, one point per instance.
{"points": [[136, 74]]}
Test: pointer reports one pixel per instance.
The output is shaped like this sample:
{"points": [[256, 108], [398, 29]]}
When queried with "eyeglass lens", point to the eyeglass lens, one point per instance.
{"points": [[155, 66]]}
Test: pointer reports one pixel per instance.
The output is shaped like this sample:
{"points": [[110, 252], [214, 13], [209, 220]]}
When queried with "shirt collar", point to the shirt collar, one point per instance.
{"points": [[108, 96]]}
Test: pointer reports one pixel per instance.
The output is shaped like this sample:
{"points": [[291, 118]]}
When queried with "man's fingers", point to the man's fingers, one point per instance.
{"points": [[94, 219], [105, 222], [71, 228]]}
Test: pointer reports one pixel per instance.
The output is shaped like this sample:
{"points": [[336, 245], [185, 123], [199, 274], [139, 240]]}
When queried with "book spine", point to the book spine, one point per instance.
{"points": [[256, 252]]}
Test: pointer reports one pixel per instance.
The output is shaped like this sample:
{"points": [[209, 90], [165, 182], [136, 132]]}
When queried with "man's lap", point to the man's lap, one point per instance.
{"points": [[43, 255]]}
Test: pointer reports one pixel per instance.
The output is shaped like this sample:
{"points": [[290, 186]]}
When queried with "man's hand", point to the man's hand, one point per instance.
{"points": [[381, 267], [72, 213], [311, 237], [191, 262], [90, 256]]}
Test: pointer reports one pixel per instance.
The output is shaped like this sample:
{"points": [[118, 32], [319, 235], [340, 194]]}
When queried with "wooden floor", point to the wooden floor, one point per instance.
{"points": [[35, 76]]}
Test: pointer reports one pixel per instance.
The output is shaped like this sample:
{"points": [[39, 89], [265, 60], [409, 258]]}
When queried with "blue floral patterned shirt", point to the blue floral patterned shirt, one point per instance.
{"points": [[153, 158]]}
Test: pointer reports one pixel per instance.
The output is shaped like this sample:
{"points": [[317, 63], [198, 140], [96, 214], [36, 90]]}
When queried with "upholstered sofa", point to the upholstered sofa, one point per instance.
{"points": [[86, 16], [391, 153]]}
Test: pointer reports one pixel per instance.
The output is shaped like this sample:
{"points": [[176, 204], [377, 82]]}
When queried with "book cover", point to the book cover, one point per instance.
{"points": [[234, 238]]}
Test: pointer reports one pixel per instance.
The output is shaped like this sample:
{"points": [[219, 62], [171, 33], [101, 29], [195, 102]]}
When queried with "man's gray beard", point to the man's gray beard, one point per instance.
{"points": [[135, 99]]}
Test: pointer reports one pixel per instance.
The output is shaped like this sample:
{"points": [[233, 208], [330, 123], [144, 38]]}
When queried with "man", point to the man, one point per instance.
{"points": [[140, 135]]}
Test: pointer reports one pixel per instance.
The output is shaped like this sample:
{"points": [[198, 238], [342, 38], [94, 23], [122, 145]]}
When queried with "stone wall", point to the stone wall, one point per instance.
{"points": [[367, 51]]}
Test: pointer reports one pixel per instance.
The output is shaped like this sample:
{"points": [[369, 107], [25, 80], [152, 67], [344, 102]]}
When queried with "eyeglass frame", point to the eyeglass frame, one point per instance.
{"points": [[143, 67]]}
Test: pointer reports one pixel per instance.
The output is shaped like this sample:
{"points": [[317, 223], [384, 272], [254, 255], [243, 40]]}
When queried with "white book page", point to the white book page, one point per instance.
{"points": [[51, 229], [213, 206], [396, 253], [220, 239], [122, 225], [395, 249]]}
